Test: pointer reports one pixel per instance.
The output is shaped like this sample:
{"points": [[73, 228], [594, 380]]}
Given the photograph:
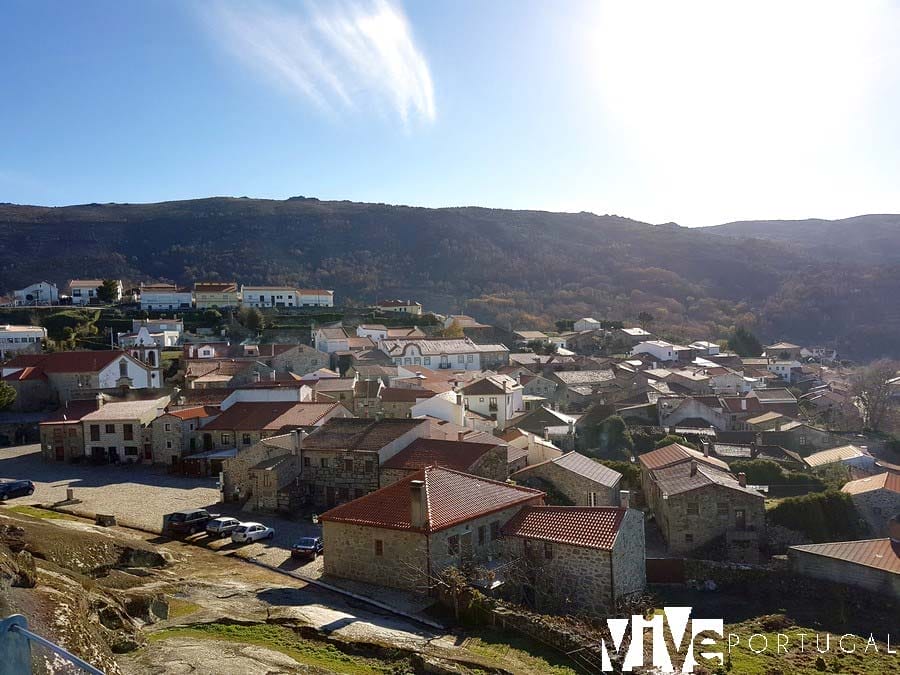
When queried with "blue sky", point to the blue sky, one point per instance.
{"points": [[697, 112]]}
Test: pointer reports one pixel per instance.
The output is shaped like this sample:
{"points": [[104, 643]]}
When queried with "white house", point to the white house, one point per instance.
{"points": [[785, 369], [21, 340], [497, 397], [165, 296], [286, 296], [399, 306], [444, 406], [704, 348], [587, 323], [41, 293], [84, 291], [459, 354], [167, 331], [848, 455], [659, 349], [147, 349]]}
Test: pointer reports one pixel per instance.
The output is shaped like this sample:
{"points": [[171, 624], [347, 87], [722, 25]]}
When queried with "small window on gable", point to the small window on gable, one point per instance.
{"points": [[379, 547]]}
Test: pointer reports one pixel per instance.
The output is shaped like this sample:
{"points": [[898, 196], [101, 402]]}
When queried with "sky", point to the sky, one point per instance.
{"points": [[696, 112]]}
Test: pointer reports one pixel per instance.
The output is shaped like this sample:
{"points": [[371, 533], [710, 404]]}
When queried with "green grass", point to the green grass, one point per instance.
{"points": [[281, 639], [35, 512], [518, 654], [179, 608]]}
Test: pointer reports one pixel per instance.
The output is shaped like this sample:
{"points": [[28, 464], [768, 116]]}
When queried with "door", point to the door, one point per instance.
{"points": [[148, 452], [329, 496], [60, 453], [207, 441], [112, 454], [740, 519]]}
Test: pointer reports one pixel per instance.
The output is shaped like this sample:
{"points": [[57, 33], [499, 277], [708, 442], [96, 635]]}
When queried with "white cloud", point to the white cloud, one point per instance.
{"points": [[337, 55]]}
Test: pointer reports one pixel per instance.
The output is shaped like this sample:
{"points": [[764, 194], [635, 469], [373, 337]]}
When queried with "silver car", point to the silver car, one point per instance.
{"points": [[247, 532], [221, 527]]}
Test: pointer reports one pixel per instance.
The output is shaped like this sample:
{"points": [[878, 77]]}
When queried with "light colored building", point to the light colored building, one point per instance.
{"points": [[173, 433], [41, 293], [662, 351], [165, 296], [84, 291], [872, 564], [286, 296], [400, 307], [497, 397], [587, 323], [21, 340], [460, 354], [848, 455], [165, 332], [581, 480], [120, 432], [221, 294]]}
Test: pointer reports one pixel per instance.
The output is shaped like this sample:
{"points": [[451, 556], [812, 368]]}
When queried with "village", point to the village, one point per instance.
{"points": [[406, 456]]}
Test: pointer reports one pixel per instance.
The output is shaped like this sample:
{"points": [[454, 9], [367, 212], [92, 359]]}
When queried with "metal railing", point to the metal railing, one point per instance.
{"points": [[15, 648]]}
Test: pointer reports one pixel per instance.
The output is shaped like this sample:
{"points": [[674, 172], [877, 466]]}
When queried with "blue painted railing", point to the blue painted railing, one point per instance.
{"points": [[15, 648]]}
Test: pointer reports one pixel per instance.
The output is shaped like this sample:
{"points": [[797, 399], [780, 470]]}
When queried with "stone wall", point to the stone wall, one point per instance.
{"points": [[877, 581], [237, 480], [331, 477], [877, 508], [67, 437], [629, 556], [113, 435], [575, 487]]}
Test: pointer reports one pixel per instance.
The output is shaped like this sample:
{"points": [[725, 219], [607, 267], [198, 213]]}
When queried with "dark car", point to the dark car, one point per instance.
{"points": [[308, 547], [16, 488], [188, 522]]}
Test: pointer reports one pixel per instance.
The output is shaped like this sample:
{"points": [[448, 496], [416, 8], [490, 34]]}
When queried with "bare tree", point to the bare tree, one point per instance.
{"points": [[872, 391]]}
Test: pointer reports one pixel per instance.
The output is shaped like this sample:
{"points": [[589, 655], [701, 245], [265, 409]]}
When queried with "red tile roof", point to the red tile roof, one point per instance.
{"points": [[365, 435], [269, 416], [72, 413], [675, 454], [877, 553], [588, 526], [451, 497], [194, 413], [581, 465], [422, 452], [68, 362], [29, 373]]}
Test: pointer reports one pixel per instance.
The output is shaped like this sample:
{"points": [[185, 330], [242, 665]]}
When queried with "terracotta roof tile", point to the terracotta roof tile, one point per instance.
{"points": [[591, 527], [877, 553], [581, 465], [451, 497], [68, 362], [675, 454], [422, 452], [269, 416], [364, 435]]}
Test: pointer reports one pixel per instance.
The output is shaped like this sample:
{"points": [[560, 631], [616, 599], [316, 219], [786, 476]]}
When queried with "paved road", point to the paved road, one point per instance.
{"points": [[140, 496]]}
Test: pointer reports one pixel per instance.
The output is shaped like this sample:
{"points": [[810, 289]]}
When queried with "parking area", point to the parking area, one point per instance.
{"points": [[139, 496]]}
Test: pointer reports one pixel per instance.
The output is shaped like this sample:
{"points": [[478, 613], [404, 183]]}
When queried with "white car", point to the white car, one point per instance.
{"points": [[247, 532], [222, 527]]}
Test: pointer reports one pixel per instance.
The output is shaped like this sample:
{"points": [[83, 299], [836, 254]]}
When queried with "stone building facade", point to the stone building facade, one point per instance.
{"points": [[581, 480], [487, 460], [877, 499], [870, 564]]}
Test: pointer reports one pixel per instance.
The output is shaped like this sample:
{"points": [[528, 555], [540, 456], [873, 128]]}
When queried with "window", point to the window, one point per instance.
{"points": [[123, 368], [246, 439], [73, 431], [461, 358], [722, 509], [110, 428], [417, 361], [128, 432], [226, 439], [453, 545], [95, 432], [482, 535], [131, 452], [306, 461], [592, 499], [548, 550], [167, 427], [470, 358], [495, 530], [168, 445], [427, 360], [688, 538], [323, 462], [379, 547], [348, 465], [370, 466], [802, 440], [693, 509]]}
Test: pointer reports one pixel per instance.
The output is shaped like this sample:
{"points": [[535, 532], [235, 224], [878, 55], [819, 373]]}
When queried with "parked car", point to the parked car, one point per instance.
{"points": [[308, 547], [247, 532], [188, 522], [221, 527], [16, 488]]}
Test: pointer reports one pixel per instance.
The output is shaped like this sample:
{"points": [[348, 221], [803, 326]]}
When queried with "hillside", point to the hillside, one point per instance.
{"points": [[521, 268]]}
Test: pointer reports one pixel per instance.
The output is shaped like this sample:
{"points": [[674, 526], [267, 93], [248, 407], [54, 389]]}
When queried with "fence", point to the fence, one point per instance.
{"points": [[15, 648]]}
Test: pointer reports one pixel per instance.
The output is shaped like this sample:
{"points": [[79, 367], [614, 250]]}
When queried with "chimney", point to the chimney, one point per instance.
{"points": [[625, 499], [417, 503], [460, 435], [705, 445], [754, 451], [273, 375], [743, 404], [546, 433], [693, 467], [100, 400], [742, 479], [257, 376]]}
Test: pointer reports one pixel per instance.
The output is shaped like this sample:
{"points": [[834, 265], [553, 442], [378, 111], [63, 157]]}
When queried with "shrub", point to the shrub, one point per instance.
{"points": [[821, 516], [631, 473]]}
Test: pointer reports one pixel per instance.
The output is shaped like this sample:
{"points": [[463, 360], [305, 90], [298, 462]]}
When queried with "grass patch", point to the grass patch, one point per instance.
{"points": [[519, 654], [179, 608], [809, 661], [284, 640], [36, 512]]}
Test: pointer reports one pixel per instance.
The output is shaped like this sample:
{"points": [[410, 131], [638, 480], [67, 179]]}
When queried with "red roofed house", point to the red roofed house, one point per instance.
{"points": [[47, 380], [173, 433], [574, 560], [487, 460], [407, 533]]}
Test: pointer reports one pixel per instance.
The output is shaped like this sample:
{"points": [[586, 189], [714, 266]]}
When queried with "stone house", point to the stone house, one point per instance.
{"points": [[578, 479], [404, 535], [398, 402], [578, 388], [120, 431], [244, 424], [47, 380], [574, 560], [552, 425], [872, 564], [341, 460], [62, 434], [803, 438], [695, 502], [174, 433], [367, 397], [259, 475], [848, 455], [340, 389], [487, 460], [877, 499], [221, 294], [538, 385], [776, 399]]}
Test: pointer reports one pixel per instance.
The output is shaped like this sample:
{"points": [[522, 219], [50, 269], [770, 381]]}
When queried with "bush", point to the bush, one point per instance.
{"points": [[821, 516], [611, 438], [767, 472], [668, 439], [631, 473]]}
